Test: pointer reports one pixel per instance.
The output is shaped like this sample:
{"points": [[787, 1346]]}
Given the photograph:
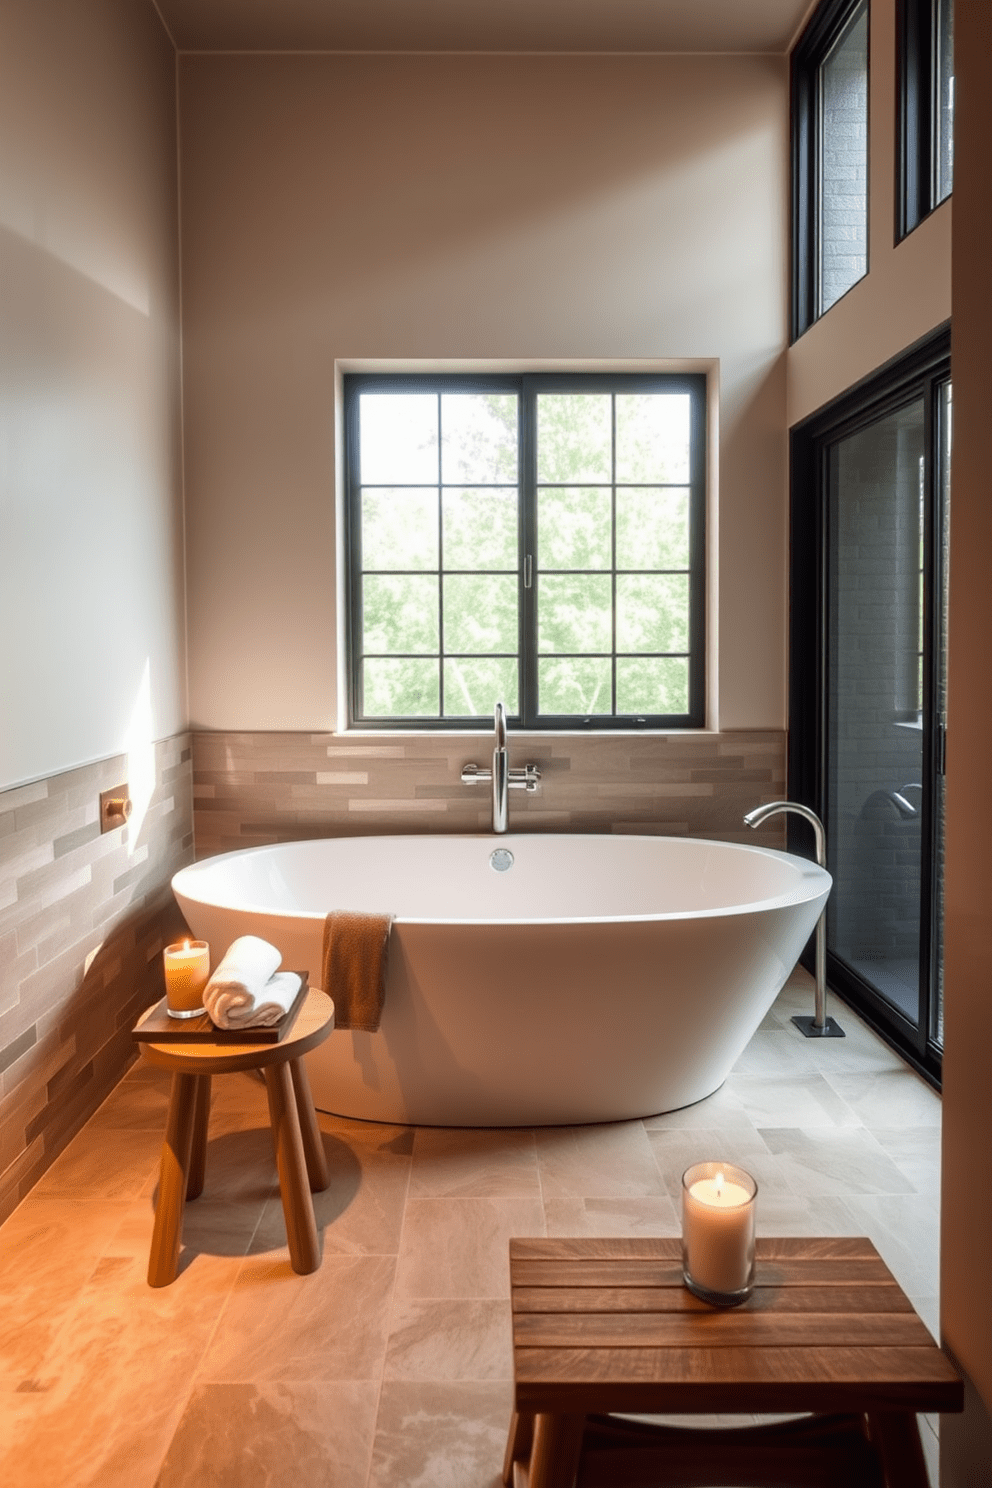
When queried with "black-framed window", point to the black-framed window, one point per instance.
{"points": [[531, 539], [925, 95], [829, 159]]}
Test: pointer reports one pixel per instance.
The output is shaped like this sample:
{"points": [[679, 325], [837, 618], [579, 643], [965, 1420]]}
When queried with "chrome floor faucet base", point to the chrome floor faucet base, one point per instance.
{"points": [[809, 1028]]}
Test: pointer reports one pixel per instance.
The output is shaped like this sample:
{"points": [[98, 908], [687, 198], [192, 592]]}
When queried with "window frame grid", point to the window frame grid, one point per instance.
{"points": [[528, 386]]}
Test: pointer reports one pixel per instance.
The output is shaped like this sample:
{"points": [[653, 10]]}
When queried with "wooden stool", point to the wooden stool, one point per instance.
{"points": [[299, 1150], [607, 1326]]}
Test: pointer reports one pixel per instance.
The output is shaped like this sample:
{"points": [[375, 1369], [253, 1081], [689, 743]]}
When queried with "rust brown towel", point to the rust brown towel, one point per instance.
{"points": [[354, 967]]}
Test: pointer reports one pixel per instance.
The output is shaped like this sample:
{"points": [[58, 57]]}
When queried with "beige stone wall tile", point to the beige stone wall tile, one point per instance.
{"points": [[86, 918]]}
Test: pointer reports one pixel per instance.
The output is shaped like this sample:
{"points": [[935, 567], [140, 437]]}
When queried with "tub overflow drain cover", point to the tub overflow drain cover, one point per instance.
{"points": [[501, 860]]}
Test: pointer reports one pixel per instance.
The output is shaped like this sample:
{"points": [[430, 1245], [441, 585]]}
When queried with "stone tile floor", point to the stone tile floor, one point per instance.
{"points": [[390, 1366]]}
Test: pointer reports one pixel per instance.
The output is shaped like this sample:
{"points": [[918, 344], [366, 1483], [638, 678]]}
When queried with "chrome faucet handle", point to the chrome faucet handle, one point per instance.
{"points": [[528, 779], [499, 723]]}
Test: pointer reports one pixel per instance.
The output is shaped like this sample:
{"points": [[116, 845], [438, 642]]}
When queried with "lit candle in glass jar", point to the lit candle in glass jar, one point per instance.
{"points": [[718, 1202], [187, 971]]}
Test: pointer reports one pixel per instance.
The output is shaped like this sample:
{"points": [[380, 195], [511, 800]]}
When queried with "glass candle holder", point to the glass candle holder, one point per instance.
{"points": [[187, 971], [718, 1203]]}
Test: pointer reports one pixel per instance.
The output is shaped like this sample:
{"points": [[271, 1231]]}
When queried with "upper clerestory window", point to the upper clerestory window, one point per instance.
{"points": [[535, 540], [829, 159], [925, 92]]}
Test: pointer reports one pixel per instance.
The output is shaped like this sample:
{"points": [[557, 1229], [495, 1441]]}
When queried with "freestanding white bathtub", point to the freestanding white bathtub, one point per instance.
{"points": [[596, 978]]}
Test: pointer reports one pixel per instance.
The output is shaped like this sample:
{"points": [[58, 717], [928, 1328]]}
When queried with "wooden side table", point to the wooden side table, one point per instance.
{"points": [[299, 1151], [607, 1326]]}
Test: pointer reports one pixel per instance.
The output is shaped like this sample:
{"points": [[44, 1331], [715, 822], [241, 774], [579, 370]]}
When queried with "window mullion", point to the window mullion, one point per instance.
{"points": [[527, 487], [440, 565], [613, 554]]}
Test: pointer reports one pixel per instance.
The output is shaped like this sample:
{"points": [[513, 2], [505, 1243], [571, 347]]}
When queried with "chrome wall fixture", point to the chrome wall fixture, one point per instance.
{"points": [[819, 1026], [502, 777]]}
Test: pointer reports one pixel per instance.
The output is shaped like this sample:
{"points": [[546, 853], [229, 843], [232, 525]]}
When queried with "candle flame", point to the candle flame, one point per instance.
{"points": [[718, 1180], [185, 945]]}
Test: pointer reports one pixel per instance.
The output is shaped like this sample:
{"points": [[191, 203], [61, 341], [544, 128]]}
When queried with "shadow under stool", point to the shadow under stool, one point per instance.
{"points": [[300, 1156]]}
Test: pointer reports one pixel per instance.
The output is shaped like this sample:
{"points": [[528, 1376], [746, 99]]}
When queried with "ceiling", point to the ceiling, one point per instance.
{"points": [[484, 25]]}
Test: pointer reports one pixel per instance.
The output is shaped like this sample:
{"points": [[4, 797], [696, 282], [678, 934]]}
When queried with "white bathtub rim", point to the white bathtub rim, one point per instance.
{"points": [[812, 882]]}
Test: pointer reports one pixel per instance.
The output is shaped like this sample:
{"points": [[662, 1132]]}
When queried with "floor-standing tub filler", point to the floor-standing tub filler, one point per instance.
{"points": [[532, 979]]}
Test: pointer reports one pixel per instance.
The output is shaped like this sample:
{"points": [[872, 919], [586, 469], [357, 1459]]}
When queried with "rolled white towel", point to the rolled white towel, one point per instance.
{"points": [[240, 978], [234, 1010]]}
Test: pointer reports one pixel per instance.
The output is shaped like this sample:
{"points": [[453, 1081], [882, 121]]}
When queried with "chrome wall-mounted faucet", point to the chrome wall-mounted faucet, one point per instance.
{"points": [[502, 777], [819, 1026]]}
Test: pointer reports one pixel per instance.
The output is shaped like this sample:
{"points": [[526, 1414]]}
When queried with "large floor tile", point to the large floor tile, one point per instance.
{"points": [[474, 1164], [906, 1230], [788, 1100], [675, 1150], [839, 1161], [777, 1053], [276, 1434], [460, 1339], [331, 1325], [612, 1161], [109, 1393], [915, 1150], [104, 1162], [889, 1098], [48, 1250], [460, 1247], [723, 1108], [440, 1435], [571, 1215]]}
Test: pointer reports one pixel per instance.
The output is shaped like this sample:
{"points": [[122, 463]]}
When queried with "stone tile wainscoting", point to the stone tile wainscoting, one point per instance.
{"points": [[83, 918], [254, 788]]}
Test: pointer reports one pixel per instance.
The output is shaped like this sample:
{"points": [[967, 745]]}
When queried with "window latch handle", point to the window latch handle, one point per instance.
{"points": [[528, 571]]}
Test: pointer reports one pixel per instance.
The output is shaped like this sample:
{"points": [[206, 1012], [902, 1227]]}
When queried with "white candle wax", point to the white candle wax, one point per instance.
{"points": [[187, 971], [718, 1231]]}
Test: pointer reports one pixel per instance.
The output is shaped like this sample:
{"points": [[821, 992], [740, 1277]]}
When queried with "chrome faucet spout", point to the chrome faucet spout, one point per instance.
{"points": [[819, 1026], [772, 808], [501, 777], [499, 724], [501, 774]]}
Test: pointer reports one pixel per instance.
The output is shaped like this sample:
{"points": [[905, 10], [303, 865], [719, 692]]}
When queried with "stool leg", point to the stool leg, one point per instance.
{"points": [[163, 1261], [554, 1457], [297, 1205], [895, 1436], [313, 1146], [518, 1443], [201, 1121]]}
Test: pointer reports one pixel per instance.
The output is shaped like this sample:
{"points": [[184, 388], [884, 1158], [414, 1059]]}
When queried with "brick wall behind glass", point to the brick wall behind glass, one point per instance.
{"points": [[844, 166], [874, 748], [83, 919], [254, 788]]}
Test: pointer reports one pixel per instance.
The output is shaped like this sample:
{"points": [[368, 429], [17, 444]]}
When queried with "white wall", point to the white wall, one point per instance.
{"points": [[91, 574], [544, 208]]}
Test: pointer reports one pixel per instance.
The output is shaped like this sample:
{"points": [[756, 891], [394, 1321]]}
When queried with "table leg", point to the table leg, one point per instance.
{"points": [[201, 1121], [313, 1145], [895, 1436], [163, 1261], [297, 1205], [554, 1456], [518, 1443]]}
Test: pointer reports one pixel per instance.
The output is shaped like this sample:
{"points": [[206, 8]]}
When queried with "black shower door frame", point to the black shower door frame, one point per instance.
{"points": [[919, 373]]}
